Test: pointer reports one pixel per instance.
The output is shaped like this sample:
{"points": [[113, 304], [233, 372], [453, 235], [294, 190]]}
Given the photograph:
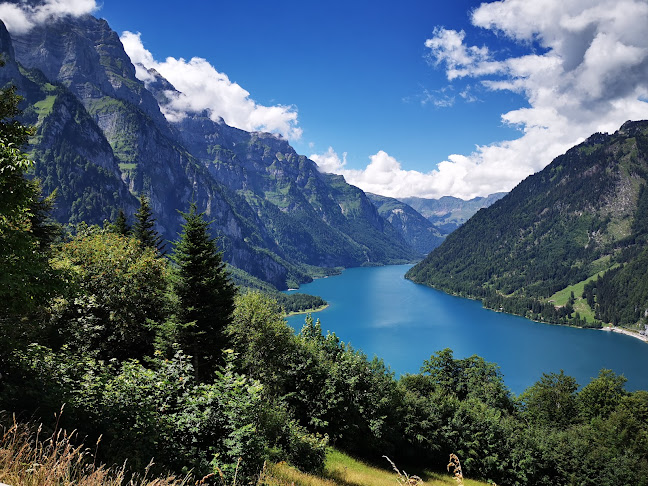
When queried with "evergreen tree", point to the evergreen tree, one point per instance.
{"points": [[120, 225], [205, 294], [144, 227]]}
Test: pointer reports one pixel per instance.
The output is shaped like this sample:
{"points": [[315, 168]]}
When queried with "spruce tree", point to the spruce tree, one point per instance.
{"points": [[205, 294], [120, 225], [144, 227]]}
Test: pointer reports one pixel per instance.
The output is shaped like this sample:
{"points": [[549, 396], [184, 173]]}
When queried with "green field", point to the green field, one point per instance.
{"points": [[561, 297]]}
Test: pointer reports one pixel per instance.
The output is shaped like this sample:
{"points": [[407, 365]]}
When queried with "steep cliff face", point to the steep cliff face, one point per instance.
{"points": [[74, 156], [277, 214], [418, 231], [304, 212]]}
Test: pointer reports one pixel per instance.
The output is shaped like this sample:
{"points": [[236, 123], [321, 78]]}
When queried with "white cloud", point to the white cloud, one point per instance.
{"points": [[201, 87], [585, 70], [591, 76], [330, 161], [20, 18], [385, 175]]}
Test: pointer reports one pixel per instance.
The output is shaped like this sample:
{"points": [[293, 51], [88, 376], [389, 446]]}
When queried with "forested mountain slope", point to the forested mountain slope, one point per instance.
{"points": [[102, 140], [584, 214]]}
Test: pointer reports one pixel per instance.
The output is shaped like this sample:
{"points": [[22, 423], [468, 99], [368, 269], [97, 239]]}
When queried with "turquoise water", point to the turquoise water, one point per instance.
{"points": [[381, 313]]}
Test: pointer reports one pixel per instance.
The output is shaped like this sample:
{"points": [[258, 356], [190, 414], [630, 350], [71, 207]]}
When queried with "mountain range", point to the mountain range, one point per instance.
{"points": [[448, 213], [102, 140], [569, 244]]}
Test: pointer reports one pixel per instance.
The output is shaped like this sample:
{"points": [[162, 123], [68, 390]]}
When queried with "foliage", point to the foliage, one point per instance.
{"points": [[205, 294], [278, 395], [551, 401], [120, 295], [145, 412], [144, 226], [559, 227], [601, 396], [26, 278], [120, 225], [297, 302], [471, 377]]}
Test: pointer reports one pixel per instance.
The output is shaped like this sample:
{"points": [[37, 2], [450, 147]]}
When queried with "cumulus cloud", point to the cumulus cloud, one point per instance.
{"points": [[385, 175], [583, 68], [330, 161], [202, 88], [22, 17]]}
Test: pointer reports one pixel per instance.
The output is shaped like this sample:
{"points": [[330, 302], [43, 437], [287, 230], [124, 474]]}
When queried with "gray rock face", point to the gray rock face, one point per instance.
{"points": [[419, 232], [276, 212]]}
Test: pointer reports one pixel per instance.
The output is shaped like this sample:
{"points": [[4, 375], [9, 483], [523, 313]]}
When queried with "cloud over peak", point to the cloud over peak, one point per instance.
{"points": [[202, 88], [22, 17]]}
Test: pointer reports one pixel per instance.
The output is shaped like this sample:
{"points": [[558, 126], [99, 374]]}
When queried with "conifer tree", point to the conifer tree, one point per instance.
{"points": [[205, 294], [120, 225], [144, 227]]}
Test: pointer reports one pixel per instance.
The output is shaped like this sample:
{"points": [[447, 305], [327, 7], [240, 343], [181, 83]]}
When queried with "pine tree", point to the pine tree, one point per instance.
{"points": [[205, 294], [120, 225], [144, 227]]}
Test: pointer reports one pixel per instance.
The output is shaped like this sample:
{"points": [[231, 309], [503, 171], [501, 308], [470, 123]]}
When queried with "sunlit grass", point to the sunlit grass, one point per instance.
{"points": [[561, 297], [341, 469], [27, 459]]}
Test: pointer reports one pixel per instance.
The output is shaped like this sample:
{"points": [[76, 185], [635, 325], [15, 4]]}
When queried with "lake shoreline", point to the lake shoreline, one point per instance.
{"points": [[307, 311], [627, 332], [383, 314]]}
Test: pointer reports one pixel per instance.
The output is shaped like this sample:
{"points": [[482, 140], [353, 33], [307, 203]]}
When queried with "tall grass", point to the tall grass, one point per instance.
{"points": [[26, 459]]}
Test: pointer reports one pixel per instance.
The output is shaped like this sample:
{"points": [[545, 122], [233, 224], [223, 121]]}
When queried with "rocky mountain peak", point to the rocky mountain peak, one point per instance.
{"points": [[6, 46]]}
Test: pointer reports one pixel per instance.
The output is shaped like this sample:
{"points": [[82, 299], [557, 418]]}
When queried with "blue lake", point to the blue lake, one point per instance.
{"points": [[381, 313]]}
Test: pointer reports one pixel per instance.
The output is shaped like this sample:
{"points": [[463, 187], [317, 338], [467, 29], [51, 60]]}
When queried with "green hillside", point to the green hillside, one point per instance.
{"points": [[582, 215]]}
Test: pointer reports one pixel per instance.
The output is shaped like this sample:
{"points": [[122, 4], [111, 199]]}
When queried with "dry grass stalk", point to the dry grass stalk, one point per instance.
{"points": [[403, 478], [456, 469], [28, 460]]}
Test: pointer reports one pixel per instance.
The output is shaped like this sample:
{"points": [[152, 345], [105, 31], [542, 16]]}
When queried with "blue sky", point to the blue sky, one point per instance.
{"points": [[356, 72], [405, 98]]}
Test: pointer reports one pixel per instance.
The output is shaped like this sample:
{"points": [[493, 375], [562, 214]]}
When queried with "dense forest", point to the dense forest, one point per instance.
{"points": [[152, 349], [580, 222]]}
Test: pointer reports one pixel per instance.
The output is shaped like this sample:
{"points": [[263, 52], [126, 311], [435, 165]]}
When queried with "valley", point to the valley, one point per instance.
{"points": [[186, 295]]}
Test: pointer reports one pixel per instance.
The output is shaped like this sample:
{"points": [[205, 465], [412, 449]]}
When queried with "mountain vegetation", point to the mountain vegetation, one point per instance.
{"points": [[101, 142], [102, 347], [149, 357], [581, 220]]}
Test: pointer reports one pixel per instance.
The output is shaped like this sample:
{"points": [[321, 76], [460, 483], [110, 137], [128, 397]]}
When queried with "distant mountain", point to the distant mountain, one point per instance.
{"points": [[580, 225], [448, 213], [102, 140], [416, 230]]}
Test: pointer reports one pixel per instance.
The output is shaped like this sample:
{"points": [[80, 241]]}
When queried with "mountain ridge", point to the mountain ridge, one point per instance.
{"points": [[278, 216], [562, 226]]}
